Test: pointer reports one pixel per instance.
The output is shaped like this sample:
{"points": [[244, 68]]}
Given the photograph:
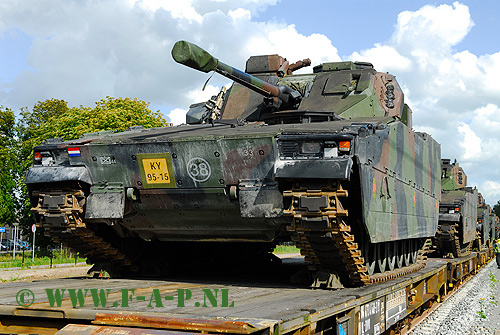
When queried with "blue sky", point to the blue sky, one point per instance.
{"points": [[357, 25], [15, 46], [445, 55]]}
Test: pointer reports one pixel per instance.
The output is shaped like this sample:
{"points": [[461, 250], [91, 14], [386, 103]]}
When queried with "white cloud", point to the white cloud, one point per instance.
{"points": [[384, 58], [471, 143], [487, 120], [240, 13], [454, 94], [83, 51], [178, 9], [177, 116], [199, 95], [442, 26], [490, 190], [253, 6], [275, 38]]}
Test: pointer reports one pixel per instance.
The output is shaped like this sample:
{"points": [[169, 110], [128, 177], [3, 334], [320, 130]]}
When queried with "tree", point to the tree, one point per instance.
{"points": [[53, 118], [496, 209], [108, 114], [9, 167], [29, 127]]}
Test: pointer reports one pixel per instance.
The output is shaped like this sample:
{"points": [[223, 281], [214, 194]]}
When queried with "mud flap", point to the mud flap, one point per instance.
{"points": [[257, 200], [106, 201]]}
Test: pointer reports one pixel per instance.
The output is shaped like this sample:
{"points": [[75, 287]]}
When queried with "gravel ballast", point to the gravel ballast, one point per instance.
{"points": [[473, 309]]}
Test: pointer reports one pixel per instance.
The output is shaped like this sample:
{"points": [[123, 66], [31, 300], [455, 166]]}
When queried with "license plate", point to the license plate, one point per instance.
{"points": [[156, 170]]}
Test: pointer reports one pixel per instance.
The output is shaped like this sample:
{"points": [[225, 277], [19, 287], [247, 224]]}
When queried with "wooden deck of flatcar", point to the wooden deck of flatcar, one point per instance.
{"points": [[225, 306]]}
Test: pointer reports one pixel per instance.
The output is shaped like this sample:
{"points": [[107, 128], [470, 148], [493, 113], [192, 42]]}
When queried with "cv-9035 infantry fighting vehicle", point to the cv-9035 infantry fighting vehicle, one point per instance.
{"points": [[484, 224], [494, 226], [457, 212], [326, 159]]}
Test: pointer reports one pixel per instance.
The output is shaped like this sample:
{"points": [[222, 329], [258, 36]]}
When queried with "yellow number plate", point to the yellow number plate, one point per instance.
{"points": [[156, 170]]}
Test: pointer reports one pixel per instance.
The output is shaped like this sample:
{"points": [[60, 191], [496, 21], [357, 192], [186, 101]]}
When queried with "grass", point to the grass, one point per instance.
{"points": [[10, 279], [6, 260], [493, 285], [481, 313], [493, 300], [286, 249]]}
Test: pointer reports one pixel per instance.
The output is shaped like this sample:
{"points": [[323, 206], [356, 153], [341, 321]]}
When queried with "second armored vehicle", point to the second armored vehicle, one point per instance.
{"points": [[484, 224], [457, 212]]}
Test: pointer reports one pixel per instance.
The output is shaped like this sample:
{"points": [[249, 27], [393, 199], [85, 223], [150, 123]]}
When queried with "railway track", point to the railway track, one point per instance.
{"points": [[471, 309]]}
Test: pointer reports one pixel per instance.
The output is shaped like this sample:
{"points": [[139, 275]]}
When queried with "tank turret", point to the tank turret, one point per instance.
{"points": [[334, 91], [480, 200], [453, 176]]}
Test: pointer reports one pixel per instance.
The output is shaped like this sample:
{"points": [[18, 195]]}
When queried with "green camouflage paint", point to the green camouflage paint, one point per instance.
{"points": [[224, 182]]}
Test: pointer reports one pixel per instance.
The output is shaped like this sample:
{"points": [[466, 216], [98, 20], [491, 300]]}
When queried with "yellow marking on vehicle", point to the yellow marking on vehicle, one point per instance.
{"points": [[156, 170]]}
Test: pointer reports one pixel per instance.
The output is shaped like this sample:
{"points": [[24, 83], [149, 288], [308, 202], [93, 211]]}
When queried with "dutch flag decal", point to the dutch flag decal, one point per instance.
{"points": [[74, 152]]}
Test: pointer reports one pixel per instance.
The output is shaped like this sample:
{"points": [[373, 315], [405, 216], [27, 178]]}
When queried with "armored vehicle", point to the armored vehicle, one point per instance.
{"points": [[457, 212], [494, 226], [326, 159], [484, 224]]}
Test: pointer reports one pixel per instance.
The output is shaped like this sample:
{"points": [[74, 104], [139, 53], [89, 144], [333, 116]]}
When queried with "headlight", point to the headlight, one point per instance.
{"points": [[43, 157], [310, 147]]}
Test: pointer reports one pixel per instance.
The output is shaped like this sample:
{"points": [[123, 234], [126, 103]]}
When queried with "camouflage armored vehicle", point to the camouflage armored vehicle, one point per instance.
{"points": [[326, 159], [494, 226], [484, 224], [457, 212]]}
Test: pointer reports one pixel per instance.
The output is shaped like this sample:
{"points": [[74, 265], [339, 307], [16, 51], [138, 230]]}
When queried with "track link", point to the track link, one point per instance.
{"points": [[320, 230], [59, 213], [450, 241]]}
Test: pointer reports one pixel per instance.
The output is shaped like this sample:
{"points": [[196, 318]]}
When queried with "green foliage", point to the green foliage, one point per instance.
{"points": [[493, 280], [9, 168], [6, 261], [481, 313], [53, 118], [108, 114], [496, 208], [493, 285], [286, 249], [32, 123]]}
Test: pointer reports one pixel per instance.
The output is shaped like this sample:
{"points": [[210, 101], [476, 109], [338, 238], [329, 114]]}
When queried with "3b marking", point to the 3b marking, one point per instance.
{"points": [[199, 169]]}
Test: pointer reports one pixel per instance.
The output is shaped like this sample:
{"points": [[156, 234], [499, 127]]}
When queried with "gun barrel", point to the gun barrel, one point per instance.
{"points": [[248, 80], [195, 57]]}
